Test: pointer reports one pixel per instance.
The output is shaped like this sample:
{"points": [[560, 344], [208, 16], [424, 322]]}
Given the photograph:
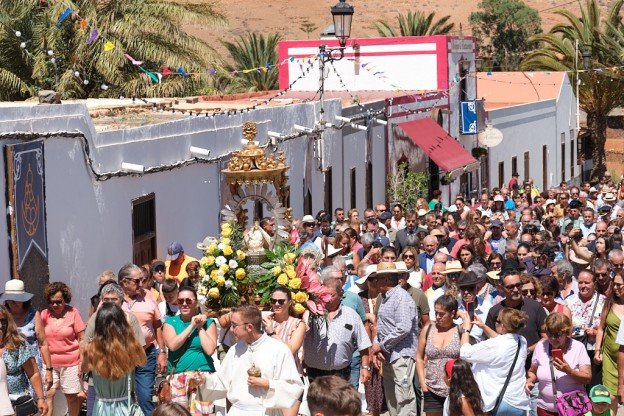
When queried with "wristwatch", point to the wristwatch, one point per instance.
{"points": [[366, 367]]}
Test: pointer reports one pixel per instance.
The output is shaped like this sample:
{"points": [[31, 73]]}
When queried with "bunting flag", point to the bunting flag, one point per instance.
{"points": [[155, 79], [109, 46], [93, 37], [134, 61], [181, 71], [83, 24], [63, 16], [165, 71]]}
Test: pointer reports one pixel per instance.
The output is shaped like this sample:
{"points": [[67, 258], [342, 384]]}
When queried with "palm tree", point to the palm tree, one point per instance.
{"points": [[148, 30], [599, 91], [415, 24], [252, 57]]}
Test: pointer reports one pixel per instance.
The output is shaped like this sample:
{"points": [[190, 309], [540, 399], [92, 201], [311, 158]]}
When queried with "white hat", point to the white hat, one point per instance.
{"points": [[371, 269], [14, 290], [308, 218], [331, 250]]}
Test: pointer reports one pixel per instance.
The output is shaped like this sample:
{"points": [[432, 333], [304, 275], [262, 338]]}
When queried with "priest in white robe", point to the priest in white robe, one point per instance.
{"points": [[258, 375]]}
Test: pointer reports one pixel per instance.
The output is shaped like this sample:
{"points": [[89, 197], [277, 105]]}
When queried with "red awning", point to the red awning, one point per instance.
{"points": [[444, 150]]}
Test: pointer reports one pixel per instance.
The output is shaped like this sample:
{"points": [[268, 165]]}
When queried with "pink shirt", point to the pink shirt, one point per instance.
{"points": [[147, 313], [576, 356], [61, 335]]}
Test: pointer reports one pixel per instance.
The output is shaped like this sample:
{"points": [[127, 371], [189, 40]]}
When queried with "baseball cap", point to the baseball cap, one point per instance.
{"points": [[600, 394], [496, 223], [386, 215], [606, 208], [308, 219], [575, 204], [174, 251], [499, 198]]}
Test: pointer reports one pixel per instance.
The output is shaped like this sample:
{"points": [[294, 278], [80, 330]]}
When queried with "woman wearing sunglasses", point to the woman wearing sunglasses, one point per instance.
{"points": [[191, 338], [290, 330], [64, 330]]}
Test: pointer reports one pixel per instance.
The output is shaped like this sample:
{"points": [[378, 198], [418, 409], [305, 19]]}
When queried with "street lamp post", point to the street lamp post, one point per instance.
{"points": [[342, 14]]}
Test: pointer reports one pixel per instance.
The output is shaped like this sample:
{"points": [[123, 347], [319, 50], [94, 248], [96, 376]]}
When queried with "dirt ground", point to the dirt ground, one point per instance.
{"points": [[285, 16]]}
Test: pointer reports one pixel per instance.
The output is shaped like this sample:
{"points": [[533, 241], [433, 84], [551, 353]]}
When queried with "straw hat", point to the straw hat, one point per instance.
{"points": [[391, 268], [371, 270], [453, 266]]}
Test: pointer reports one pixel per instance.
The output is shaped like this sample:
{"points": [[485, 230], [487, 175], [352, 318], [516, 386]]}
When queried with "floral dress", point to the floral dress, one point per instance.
{"points": [[17, 380], [436, 359]]}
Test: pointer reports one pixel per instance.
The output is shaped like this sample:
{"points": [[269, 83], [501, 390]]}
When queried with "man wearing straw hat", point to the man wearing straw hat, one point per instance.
{"points": [[397, 336]]}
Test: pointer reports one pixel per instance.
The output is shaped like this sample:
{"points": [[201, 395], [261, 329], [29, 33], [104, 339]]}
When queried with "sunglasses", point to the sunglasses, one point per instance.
{"points": [[185, 301], [555, 335], [56, 302], [135, 281], [470, 288], [512, 287], [527, 292], [159, 269], [408, 256], [278, 301]]}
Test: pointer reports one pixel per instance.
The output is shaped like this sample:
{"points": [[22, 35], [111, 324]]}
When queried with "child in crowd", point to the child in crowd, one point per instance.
{"points": [[333, 396], [601, 399], [464, 398]]}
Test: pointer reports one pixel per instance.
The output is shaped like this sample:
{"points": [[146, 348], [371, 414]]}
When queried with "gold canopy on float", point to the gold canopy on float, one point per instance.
{"points": [[250, 165]]}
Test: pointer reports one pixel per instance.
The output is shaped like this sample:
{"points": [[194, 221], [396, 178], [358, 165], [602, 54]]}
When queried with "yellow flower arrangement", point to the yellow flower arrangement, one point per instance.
{"points": [[277, 270], [227, 251], [201, 272], [214, 274], [282, 279], [289, 258], [240, 254], [291, 274], [212, 249], [300, 297], [226, 233], [202, 290], [209, 261], [214, 293], [224, 268], [240, 274], [295, 283], [226, 241], [220, 280], [298, 308]]}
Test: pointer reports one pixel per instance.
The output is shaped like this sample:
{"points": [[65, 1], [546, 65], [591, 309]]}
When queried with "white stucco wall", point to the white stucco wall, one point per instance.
{"points": [[89, 222]]}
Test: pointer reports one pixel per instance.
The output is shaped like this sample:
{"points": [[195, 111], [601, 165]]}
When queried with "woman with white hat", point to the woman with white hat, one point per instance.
{"points": [[29, 324]]}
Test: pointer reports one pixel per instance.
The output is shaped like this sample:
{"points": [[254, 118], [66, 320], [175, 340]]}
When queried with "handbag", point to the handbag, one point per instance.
{"points": [[24, 406], [574, 403], [164, 385], [499, 399], [133, 408]]}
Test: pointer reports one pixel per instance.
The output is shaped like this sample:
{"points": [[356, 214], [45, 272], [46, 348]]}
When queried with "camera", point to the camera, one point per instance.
{"points": [[376, 244]]}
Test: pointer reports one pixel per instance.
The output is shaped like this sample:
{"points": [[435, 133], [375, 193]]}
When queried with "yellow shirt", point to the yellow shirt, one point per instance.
{"points": [[179, 274]]}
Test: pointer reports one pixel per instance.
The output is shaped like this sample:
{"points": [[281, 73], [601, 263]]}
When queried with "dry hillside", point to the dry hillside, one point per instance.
{"points": [[285, 16]]}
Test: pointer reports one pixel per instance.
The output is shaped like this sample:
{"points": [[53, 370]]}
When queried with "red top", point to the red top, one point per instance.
{"points": [[61, 335]]}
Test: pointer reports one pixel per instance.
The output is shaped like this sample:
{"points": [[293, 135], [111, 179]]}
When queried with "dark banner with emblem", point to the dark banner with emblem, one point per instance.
{"points": [[29, 199]]}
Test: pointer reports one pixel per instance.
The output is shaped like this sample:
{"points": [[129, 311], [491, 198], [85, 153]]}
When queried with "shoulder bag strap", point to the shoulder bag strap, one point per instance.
{"points": [[591, 320], [129, 383], [552, 373], [499, 399]]}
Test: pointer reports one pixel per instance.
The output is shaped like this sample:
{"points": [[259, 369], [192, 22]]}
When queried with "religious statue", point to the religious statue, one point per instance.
{"points": [[256, 239]]}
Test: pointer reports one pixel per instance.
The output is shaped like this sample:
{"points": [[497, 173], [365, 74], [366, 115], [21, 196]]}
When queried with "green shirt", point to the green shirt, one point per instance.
{"points": [[191, 355], [605, 413]]}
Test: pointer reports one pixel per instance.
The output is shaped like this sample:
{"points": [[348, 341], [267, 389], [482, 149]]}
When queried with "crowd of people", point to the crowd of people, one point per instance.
{"points": [[509, 305]]}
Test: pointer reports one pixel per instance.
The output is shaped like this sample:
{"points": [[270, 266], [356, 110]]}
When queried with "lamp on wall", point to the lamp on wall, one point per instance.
{"points": [[132, 167], [199, 152]]}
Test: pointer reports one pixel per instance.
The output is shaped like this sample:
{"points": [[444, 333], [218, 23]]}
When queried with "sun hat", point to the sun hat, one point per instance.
{"points": [[14, 290], [609, 197], [203, 246], [331, 250], [391, 268], [550, 202], [468, 279], [499, 198], [600, 394], [496, 223], [576, 259], [371, 270], [494, 274], [174, 251], [453, 266], [436, 232]]}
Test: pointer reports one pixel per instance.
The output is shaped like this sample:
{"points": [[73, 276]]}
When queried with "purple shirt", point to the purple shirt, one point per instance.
{"points": [[576, 356]]}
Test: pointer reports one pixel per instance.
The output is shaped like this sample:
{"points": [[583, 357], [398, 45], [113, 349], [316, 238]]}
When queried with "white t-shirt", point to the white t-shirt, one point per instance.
{"points": [[5, 403], [162, 308], [491, 361]]}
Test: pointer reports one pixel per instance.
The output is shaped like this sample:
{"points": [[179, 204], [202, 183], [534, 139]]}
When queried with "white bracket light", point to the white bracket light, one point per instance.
{"points": [[199, 152], [132, 167], [303, 129]]}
